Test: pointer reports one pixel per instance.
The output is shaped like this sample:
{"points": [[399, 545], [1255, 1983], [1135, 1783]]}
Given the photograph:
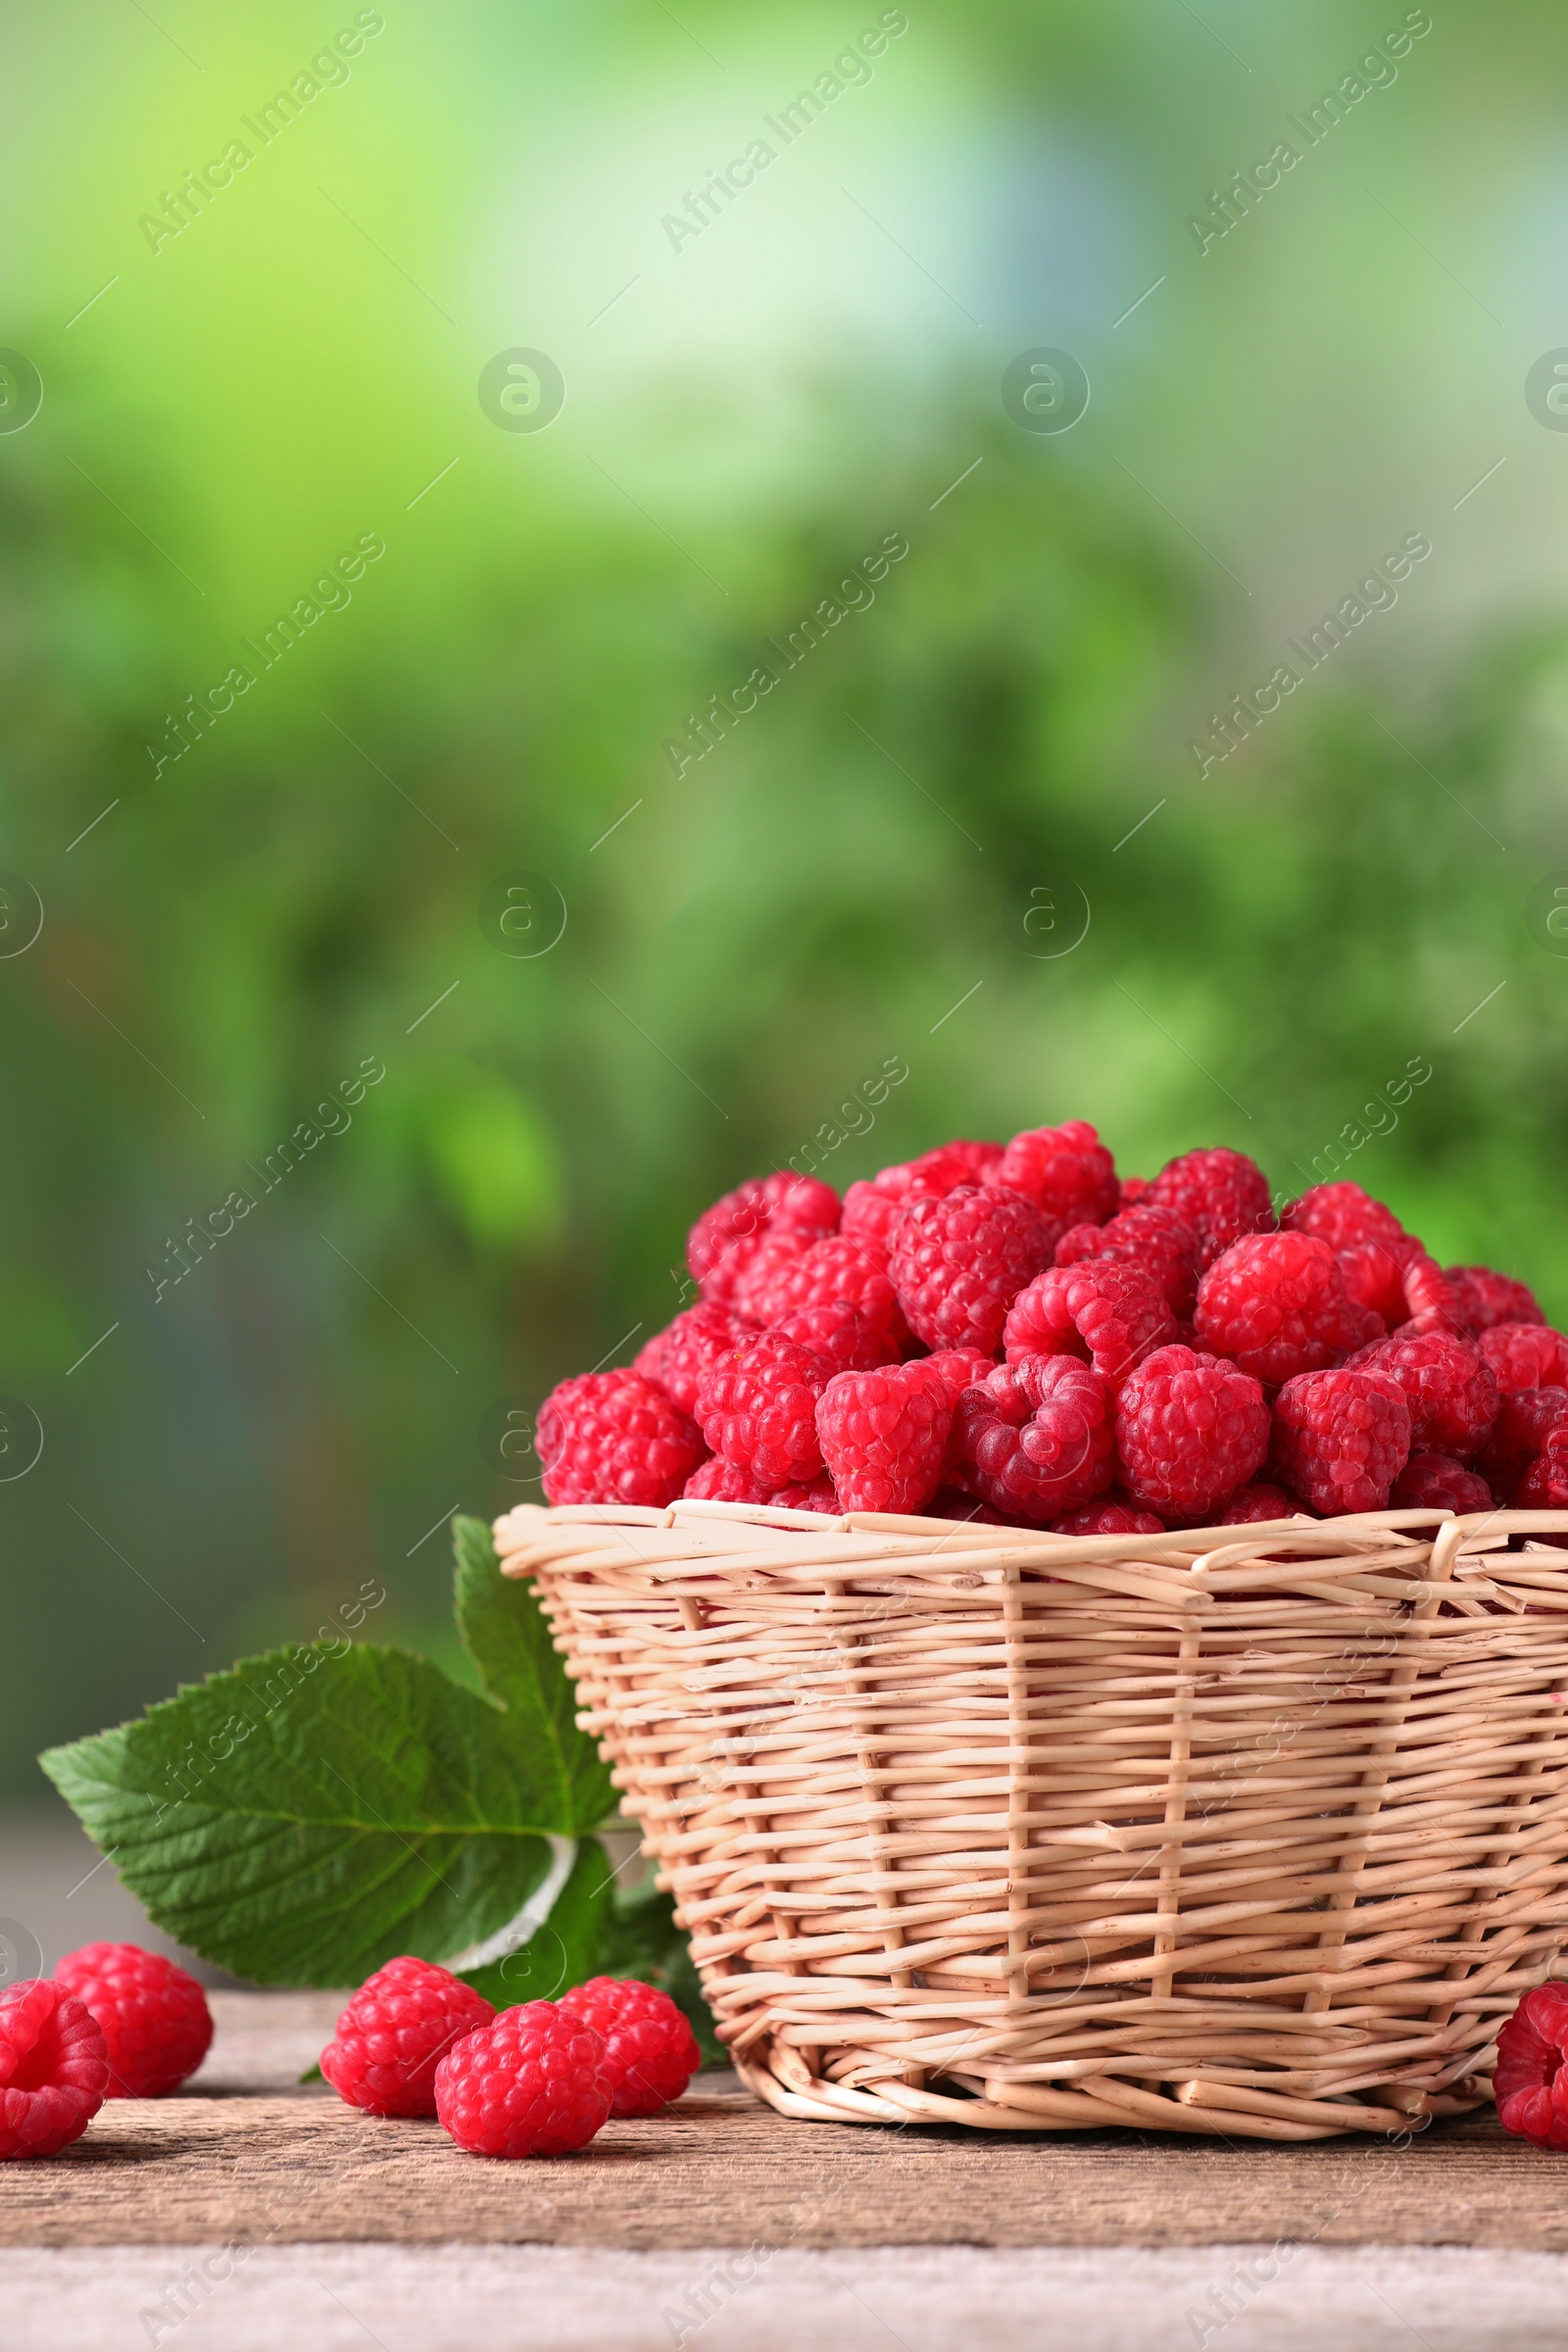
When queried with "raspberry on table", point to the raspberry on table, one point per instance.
{"points": [[1275, 1303], [871, 1208], [675, 1358], [1146, 1236], [884, 1435], [1254, 1504], [959, 1261], [844, 1268], [1343, 1215], [1190, 1429], [758, 1409], [1489, 1299], [714, 1481], [1440, 1482], [1221, 1195], [1525, 1355], [54, 2068], [840, 1334], [1065, 1171], [395, 2033], [530, 2085], [1447, 1385], [1033, 1439], [1525, 1421], [1113, 1515], [781, 1210], [1340, 1438], [613, 1437], [650, 2052], [153, 2015], [1108, 1314], [1531, 2084]]}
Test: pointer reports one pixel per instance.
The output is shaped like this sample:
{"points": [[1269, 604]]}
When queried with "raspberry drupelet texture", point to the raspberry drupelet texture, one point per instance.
{"points": [[394, 2033], [758, 1409], [713, 1481], [1531, 2082], [1432, 1302], [1343, 1215], [958, 1262], [1108, 1314], [782, 1209], [1190, 1429], [1440, 1482], [1275, 1303], [1525, 1355], [1114, 1515], [1543, 1486], [1220, 1194], [677, 1357], [846, 1267], [650, 2052], [841, 1335], [1255, 1504], [613, 1437], [884, 1435], [1035, 1439], [1373, 1275], [1489, 1299], [1526, 1419], [1451, 1391], [153, 2015], [957, 1368], [1065, 1171], [872, 1209], [1146, 1236], [530, 2085], [1340, 1438], [54, 2069]]}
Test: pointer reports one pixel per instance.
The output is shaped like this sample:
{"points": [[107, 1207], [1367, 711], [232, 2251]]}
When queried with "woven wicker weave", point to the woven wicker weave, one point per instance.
{"points": [[1243, 1829]]}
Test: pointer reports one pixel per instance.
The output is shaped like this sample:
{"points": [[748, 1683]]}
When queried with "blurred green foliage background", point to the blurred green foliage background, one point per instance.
{"points": [[850, 874]]}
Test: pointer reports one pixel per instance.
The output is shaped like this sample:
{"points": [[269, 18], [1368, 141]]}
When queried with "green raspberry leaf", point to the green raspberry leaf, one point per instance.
{"points": [[310, 1813], [504, 1632], [567, 1947]]}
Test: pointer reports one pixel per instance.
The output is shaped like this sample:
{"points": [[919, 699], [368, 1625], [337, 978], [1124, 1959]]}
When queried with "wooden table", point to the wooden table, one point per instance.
{"points": [[255, 2211]]}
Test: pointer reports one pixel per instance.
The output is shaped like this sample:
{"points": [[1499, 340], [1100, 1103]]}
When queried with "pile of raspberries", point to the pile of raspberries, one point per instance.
{"points": [[1010, 1332]]}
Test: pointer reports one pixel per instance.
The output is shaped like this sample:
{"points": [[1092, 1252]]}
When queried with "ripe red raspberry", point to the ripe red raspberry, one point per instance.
{"points": [[1373, 1275], [1276, 1305], [1432, 1302], [958, 1262], [1343, 1215], [1190, 1429], [884, 1435], [1146, 1236], [1452, 1397], [675, 1358], [950, 1503], [1254, 1504], [531, 2084], [1526, 1356], [1531, 2082], [715, 1482], [1065, 1171], [395, 2033], [1340, 1438], [1114, 1516], [153, 2015], [1220, 1194], [840, 1334], [612, 1437], [1103, 1312], [758, 1409], [54, 2069], [1133, 1191], [1033, 1439], [1525, 1421], [1440, 1482], [650, 2052], [1544, 1484], [845, 1268], [783, 1207], [872, 1209], [957, 1368], [1489, 1299]]}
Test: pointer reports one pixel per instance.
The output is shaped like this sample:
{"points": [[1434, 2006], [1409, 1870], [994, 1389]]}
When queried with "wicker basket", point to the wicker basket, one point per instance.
{"points": [[1246, 1831]]}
